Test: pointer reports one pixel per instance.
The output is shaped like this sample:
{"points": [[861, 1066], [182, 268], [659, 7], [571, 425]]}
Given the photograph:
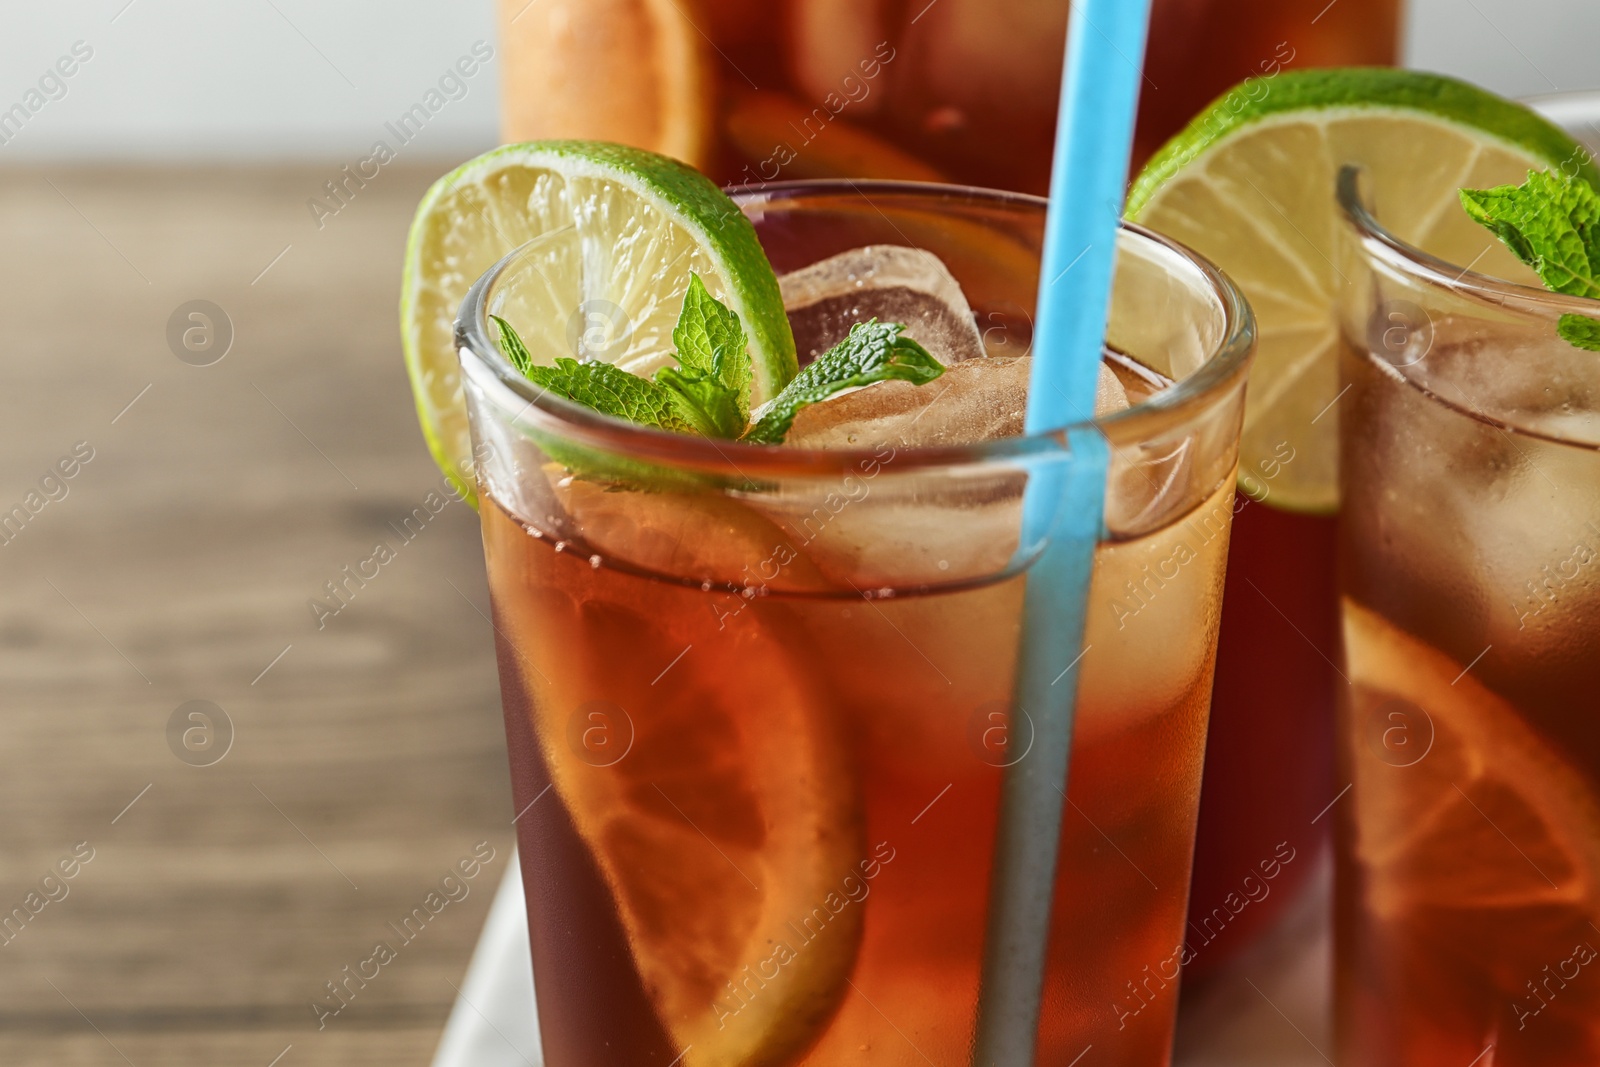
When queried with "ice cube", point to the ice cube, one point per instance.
{"points": [[1148, 484], [1110, 395], [890, 283], [1530, 379], [1502, 526], [920, 528], [974, 400]]}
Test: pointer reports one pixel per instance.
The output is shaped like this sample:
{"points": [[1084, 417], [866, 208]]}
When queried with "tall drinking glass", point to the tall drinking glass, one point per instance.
{"points": [[758, 700], [1469, 874]]}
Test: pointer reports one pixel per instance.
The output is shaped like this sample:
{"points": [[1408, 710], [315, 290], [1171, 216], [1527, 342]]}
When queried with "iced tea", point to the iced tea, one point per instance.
{"points": [[1469, 884], [759, 704]]}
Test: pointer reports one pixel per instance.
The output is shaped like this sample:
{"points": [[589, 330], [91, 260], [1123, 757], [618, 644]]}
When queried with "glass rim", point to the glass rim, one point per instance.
{"points": [[1438, 273], [483, 361]]}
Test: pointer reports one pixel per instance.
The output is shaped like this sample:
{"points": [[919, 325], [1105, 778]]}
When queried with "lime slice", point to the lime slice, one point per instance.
{"points": [[1250, 185], [623, 231]]}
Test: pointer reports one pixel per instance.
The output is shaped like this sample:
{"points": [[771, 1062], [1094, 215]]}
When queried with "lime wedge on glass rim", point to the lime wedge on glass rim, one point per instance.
{"points": [[626, 229], [1250, 185]]}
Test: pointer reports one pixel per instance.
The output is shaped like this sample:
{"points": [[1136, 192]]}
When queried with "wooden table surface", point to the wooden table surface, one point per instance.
{"points": [[366, 756]]}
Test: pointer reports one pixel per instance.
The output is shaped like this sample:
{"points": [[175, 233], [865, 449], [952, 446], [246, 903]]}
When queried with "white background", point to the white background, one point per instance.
{"points": [[316, 79]]}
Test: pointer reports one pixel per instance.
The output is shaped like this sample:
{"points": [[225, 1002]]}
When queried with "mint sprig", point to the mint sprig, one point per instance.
{"points": [[710, 386], [1552, 223], [708, 393], [873, 352]]}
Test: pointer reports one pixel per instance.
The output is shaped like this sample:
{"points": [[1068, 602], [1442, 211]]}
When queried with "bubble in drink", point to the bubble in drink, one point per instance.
{"points": [[890, 283]]}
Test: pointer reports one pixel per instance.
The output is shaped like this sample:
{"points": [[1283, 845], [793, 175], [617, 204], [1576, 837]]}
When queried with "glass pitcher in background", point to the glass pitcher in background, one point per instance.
{"points": [[952, 90]]}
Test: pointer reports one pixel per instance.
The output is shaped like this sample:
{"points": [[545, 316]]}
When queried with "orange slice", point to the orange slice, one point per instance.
{"points": [[792, 140], [718, 805], [1461, 808], [636, 72]]}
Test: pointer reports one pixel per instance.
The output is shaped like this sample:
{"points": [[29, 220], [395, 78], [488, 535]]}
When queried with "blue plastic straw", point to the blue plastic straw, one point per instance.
{"points": [[1063, 511]]}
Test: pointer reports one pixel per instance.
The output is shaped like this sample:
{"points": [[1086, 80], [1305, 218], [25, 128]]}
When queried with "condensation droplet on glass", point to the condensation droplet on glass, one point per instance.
{"points": [[886, 594], [944, 564], [705, 587], [561, 546], [594, 561]]}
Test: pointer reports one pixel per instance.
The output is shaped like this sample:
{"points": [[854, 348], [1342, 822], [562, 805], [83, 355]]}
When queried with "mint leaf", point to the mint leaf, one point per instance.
{"points": [[1551, 223], [607, 389], [711, 385], [710, 339], [610, 390], [702, 402], [1580, 331], [874, 352], [511, 344]]}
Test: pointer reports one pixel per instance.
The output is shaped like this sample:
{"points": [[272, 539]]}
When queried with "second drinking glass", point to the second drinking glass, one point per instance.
{"points": [[1469, 874]]}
